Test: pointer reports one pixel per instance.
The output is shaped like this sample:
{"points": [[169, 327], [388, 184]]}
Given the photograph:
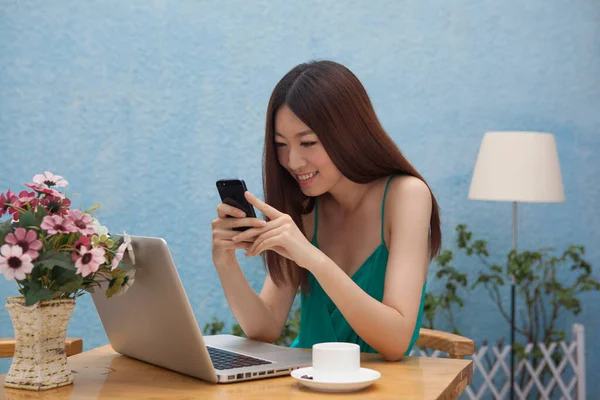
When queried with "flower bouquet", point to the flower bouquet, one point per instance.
{"points": [[54, 254]]}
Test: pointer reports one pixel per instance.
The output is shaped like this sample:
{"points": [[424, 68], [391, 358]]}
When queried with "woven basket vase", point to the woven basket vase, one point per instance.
{"points": [[40, 359]]}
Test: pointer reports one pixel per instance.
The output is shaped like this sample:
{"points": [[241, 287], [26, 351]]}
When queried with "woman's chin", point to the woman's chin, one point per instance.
{"points": [[312, 191], [306, 191]]}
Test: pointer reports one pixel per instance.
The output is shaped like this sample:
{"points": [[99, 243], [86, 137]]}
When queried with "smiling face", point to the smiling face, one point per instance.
{"points": [[301, 153]]}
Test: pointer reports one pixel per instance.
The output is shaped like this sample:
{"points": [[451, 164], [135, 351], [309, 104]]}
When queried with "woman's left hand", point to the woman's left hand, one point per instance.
{"points": [[280, 234]]}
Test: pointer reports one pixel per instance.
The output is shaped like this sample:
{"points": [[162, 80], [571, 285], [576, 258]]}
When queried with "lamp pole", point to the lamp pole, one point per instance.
{"points": [[515, 166], [512, 310]]}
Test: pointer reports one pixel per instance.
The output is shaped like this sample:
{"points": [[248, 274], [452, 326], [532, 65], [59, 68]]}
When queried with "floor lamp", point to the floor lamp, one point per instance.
{"points": [[517, 167]]}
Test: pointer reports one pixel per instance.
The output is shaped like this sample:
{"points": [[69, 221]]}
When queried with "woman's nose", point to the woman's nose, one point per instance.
{"points": [[295, 160]]}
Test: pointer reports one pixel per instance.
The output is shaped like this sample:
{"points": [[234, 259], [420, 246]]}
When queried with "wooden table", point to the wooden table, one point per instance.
{"points": [[103, 374]]}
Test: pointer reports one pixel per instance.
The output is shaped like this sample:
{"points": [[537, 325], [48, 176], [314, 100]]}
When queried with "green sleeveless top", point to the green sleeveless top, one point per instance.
{"points": [[320, 319]]}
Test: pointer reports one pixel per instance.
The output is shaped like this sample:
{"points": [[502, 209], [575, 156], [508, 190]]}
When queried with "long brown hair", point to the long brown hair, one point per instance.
{"points": [[330, 100]]}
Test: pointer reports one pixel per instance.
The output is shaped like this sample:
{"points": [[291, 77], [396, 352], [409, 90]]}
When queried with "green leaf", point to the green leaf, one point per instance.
{"points": [[5, 227], [215, 326], [71, 286], [32, 284], [496, 268], [114, 286], [47, 255], [237, 330], [24, 283], [444, 258], [125, 267], [27, 219], [36, 273], [57, 259], [67, 280], [34, 296], [39, 215]]}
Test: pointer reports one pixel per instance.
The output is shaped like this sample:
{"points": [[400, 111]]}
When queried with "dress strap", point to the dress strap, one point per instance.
{"points": [[383, 208]]}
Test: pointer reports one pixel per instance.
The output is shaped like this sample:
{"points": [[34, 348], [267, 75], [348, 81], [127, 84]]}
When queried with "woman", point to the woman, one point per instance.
{"points": [[348, 220]]}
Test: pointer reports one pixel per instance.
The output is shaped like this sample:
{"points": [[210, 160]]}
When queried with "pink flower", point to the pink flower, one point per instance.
{"points": [[56, 224], [49, 179], [82, 221], [27, 197], [7, 200], [27, 240], [55, 205], [42, 188], [118, 256], [82, 241], [89, 261], [13, 263]]}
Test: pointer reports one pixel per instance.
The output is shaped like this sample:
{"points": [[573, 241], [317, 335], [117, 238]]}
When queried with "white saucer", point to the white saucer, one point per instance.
{"points": [[365, 378]]}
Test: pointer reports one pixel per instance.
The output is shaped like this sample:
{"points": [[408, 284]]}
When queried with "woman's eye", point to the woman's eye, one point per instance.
{"points": [[278, 144], [308, 144]]}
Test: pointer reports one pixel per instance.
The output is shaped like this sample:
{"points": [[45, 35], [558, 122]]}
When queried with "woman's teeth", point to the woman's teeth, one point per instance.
{"points": [[306, 177]]}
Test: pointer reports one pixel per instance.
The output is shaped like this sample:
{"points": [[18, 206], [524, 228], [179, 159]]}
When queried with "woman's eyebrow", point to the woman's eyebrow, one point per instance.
{"points": [[299, 134]]}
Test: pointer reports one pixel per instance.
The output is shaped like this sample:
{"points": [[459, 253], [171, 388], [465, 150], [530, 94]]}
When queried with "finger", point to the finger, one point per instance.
{"points": [[267, 235], [228, 234], [228, 223], [252, 233], [229, 245], [223, 210], [266, 209], [266, 245]]}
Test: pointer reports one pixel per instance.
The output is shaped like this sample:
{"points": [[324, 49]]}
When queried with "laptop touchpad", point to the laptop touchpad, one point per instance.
{"points": [[243, 345]]}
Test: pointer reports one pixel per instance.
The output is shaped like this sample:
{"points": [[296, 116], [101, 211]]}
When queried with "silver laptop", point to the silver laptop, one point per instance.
{"points": [[153, 322]]}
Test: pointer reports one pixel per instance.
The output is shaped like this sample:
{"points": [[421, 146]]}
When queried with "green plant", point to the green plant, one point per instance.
{"points": [[448, 299], [546, 295], [53, 251], [214, 327]]}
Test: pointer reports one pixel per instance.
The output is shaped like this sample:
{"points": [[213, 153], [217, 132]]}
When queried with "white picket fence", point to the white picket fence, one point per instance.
{"points": [[565, 381]]}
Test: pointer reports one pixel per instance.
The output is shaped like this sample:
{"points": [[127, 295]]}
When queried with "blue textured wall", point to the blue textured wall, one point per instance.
{"points": [[143, 105]]}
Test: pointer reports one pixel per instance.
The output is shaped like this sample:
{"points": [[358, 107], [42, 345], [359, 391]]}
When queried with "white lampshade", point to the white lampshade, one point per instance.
{"points": [[517, 166]]}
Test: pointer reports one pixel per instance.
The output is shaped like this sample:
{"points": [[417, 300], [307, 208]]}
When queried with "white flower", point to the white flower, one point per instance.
{"points": [[127, 241], [13, 263], [49, 179], [118, 256], [127, 282], [99, 229]]}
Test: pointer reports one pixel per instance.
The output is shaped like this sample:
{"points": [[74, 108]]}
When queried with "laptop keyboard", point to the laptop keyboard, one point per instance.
{"points": [[223, 359]]}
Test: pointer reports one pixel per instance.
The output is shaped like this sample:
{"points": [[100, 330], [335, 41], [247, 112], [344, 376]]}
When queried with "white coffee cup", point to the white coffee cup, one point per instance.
{"points": [[335, 361]]}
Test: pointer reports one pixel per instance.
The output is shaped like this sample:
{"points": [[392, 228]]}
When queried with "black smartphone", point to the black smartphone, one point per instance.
{"points": [[232, 193]]}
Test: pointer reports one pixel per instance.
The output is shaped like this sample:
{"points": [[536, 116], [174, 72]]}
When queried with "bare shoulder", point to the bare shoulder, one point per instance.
{"points": [[409, 189], [408, 200]]}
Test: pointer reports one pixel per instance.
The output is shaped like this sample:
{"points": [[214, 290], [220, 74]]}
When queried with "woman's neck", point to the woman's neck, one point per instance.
{"points": [[348, 195]]}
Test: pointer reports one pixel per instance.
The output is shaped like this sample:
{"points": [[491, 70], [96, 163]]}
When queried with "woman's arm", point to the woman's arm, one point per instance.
{"points": [[261, 317], [388, 326], [279, 301]]}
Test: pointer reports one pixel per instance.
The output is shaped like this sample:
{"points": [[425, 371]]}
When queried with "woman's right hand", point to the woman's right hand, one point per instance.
{"points": [[222, 245]]}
